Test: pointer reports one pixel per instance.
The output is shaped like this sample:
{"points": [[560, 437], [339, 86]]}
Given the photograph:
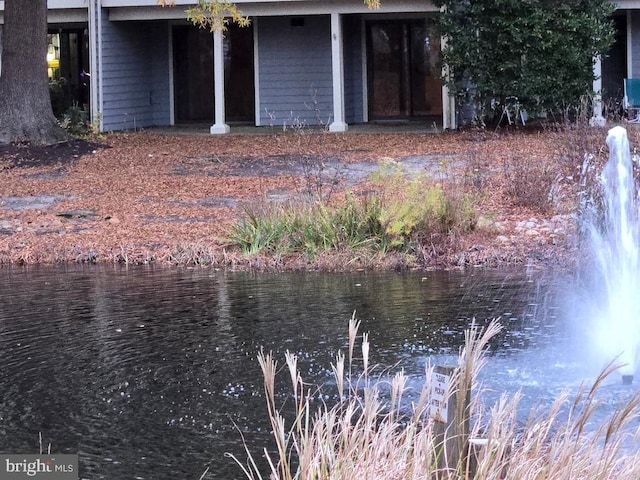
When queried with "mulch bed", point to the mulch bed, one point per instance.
{"points": [[148, 197]]}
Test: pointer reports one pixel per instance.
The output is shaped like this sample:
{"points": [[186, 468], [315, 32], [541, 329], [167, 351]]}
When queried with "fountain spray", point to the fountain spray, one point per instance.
{"points": [[614, 241]]}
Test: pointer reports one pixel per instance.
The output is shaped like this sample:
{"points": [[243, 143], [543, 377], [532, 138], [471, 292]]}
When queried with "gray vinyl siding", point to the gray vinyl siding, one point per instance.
{"points": [[353, 74], [135, 69], [635, 43], [294, 68]]}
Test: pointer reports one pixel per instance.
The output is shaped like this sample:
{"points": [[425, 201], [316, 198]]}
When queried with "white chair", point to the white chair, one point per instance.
{"points": [[511, 108]]}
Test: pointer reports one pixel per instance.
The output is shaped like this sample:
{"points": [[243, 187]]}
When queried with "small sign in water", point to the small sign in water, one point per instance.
{"points": [[439, 391]]}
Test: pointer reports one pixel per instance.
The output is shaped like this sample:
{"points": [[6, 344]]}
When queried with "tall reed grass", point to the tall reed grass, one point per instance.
{"points": [[380, 429]]}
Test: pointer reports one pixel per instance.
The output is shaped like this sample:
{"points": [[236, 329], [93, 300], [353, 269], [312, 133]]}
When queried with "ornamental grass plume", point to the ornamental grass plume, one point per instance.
{"points": [[378, 428]]}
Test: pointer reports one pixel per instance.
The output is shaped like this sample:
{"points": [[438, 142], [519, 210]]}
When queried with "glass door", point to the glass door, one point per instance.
{"points": [[403, 69], [193, 74]]}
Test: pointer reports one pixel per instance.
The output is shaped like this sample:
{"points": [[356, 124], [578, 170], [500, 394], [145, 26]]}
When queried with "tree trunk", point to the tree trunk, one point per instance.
{"points": [[25, 104]]}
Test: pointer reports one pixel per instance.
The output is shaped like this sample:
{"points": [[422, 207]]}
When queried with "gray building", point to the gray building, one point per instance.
{"points": [[135, 64]]}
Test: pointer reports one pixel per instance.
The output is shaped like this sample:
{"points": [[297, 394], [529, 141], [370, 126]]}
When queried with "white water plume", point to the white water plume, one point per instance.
{"points": [[613, 298]]}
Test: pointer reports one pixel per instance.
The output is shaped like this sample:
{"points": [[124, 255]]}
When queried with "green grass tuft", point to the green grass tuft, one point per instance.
{"points": [[403, 212]]}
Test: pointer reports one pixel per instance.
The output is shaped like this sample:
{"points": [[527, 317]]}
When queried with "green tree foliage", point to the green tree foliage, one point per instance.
{"points": [[216, 14], [212, 14], [540, 51]]}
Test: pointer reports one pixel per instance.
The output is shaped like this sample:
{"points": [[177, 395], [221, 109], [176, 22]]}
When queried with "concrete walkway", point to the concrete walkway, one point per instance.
{"points": [[398, 127]]}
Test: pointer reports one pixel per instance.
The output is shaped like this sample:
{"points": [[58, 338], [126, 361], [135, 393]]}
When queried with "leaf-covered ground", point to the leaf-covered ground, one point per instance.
{"points": [[169, 198]]}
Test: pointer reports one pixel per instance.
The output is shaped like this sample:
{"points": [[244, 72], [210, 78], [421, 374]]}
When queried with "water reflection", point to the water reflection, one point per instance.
{"points": [[150, 373]]}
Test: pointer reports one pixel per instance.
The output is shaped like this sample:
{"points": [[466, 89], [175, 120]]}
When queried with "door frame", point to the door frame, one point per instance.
{"points": [[173, 78], [366, 22]]}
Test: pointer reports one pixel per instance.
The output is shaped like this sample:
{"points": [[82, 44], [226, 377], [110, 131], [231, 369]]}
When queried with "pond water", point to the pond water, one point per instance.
{"points": [[152, 373]]}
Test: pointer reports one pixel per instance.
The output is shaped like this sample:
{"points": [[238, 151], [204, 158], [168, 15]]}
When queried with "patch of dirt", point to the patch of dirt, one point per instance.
{"points": [[25, 155], [172, 198], [31, 202]]}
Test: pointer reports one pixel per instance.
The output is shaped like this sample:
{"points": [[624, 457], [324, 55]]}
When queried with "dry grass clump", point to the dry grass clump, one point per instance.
{"points": [[532, 185], [380, 429]]}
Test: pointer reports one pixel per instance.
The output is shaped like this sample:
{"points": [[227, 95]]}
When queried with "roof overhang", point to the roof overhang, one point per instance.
{"points": [[120, 10], [73, 15]]}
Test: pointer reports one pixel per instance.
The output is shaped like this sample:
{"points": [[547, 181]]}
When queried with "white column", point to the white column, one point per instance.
{"points": [[337, 68], [597, 119], [95, 62], [256, 73], [172, 98], [448, 102], [629, 46], [219, 127], [448, 109]]}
